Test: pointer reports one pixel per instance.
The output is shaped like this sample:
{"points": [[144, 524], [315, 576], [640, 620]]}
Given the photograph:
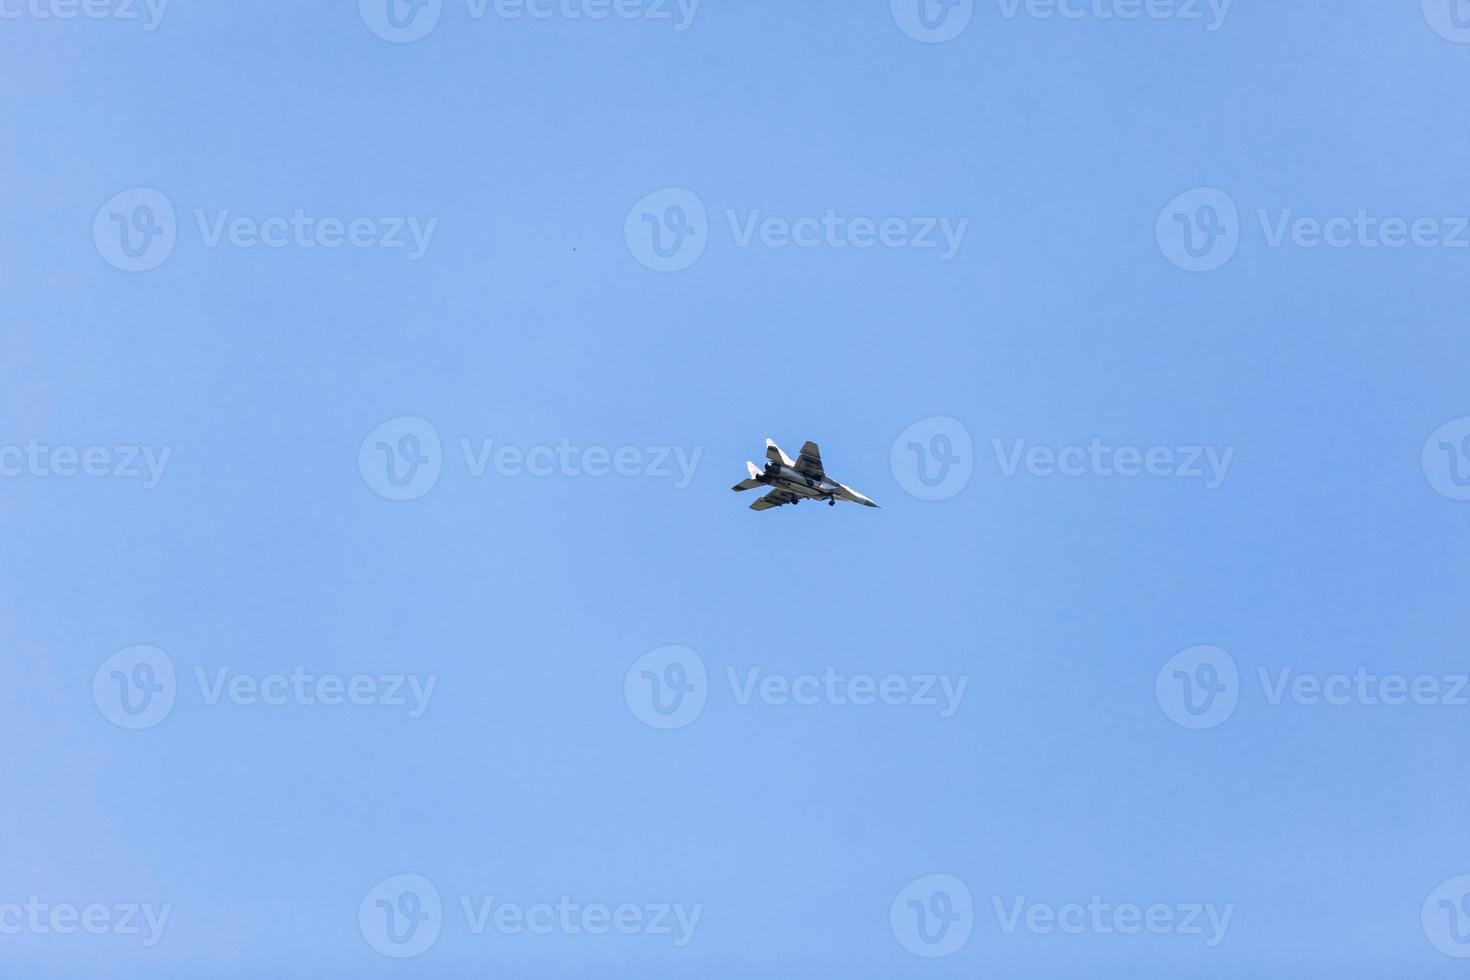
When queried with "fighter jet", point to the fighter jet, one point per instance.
{"points": [[792, 481]]}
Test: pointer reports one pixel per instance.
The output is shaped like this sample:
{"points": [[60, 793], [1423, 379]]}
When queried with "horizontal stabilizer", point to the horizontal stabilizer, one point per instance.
{"points": [[754, 480]]}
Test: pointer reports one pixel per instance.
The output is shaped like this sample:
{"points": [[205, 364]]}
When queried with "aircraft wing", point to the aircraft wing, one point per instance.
{"points": [[809, 462], [774, 499]]}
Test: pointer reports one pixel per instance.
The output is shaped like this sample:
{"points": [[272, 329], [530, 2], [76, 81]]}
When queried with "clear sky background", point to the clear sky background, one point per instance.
{"points": [[530, 319]]}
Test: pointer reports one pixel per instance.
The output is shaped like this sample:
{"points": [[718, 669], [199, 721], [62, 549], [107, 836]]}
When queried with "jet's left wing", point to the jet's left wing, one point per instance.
{"points": [[774, 499], [809, 462]]}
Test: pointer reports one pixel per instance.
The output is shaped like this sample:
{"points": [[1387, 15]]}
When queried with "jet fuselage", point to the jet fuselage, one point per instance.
{"points": [[785, 478]]}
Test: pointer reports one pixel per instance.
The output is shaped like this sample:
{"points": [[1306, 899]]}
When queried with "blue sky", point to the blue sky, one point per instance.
{"points": [[339, 236]]}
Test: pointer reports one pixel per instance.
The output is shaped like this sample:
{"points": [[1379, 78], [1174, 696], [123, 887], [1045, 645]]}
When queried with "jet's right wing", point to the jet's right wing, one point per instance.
{"points": [[809, 461], [774, 499]]}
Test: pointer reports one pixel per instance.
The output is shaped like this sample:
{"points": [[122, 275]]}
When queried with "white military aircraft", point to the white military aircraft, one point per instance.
{"points": [[792, 481]]}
